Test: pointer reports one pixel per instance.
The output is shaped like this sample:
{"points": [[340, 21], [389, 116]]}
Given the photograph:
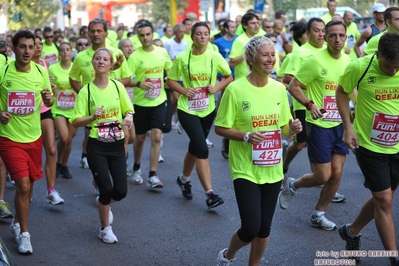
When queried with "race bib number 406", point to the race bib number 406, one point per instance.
{"points": [[21, 103], [269, 151], [385, 129], [199, 101]]}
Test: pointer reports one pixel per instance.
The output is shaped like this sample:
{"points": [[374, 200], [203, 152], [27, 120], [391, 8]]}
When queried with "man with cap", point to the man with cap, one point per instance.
{"points": [[372, 30]]}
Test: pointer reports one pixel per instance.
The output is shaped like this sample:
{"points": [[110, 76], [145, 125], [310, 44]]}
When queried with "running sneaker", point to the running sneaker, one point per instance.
{"points": [[93, 182], [338, 198], [107, 235], [15, 229], [209, 143], [5, 211], [352, 242], [286, 194], [222, 261], [64, 173], [24, 245], [213, 200], [179, 128], [322, 222], [10, 182], [54, 198], [185, 188], [83, 163], [154, 182], [137, 179], [110, 214], [160, 159]]}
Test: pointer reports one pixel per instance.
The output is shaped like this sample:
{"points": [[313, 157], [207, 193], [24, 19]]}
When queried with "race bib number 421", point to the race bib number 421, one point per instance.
{"points": [[21, 103], [269, 152]]}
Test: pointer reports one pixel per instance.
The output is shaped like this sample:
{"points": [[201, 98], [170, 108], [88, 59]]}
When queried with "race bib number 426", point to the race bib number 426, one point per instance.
{"points": [[21, 103], [269, 151]]}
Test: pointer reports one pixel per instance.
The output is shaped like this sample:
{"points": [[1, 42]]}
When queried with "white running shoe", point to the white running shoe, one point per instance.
{"points": [[160, 159], [209, 143], [222, 260], [137, 179], [15, 229], [179, 128], [83, 163], [54, 198], [24, 245], [154, 182], [107, 235], [286, 194], [93, 182], [322, 222]]}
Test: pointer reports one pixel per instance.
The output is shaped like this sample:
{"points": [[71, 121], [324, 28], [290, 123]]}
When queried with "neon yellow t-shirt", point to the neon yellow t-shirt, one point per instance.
{"points": [[237, 49], [377, 108], [50, 53], [320, 73], [247, 108], [82, 68], [353, 34], [149, 67], [165, 38], [116, 103], [198, 71], [295, 63], [327, 17], [372, 45], [284, 65], [65, 100], [4, 60], [188, 40], [20, 93]]}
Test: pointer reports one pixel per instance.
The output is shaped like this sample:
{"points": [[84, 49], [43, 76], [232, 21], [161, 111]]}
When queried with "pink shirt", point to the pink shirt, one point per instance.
{"points": [[43, 108]]}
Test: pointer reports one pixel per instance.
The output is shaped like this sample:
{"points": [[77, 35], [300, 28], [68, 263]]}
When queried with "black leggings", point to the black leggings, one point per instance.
{"points": [[256, 204], [107, 159], [197, 129], [169, 112]]}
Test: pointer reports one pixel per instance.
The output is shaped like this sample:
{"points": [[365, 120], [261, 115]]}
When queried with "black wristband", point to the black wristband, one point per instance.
{"points": [[138, 83]]}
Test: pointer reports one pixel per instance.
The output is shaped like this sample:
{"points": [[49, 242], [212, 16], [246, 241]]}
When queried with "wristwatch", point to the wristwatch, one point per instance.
{"points": [[246, 137], [138, 83]]}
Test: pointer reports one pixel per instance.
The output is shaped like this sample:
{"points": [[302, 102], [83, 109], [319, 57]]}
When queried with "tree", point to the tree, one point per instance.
{"points": [[27, 13], [158, 10]]}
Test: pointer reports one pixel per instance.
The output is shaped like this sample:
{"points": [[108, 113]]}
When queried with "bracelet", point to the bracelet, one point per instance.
{"points": [[129, 113], [309, 105], [289, 131]]}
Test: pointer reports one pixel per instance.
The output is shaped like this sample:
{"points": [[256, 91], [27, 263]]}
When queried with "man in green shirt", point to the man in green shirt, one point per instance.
{"points": [[332, 6], [49, 49], [353, 34]]}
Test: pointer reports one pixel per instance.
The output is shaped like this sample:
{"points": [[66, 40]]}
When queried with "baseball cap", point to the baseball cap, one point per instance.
{"points": [[379, 8]]}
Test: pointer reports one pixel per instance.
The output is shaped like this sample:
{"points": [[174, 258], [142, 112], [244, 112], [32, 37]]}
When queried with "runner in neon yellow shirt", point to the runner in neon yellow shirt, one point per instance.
{"points": [[148, 64], [319, 75], [105, 107], [332, 7], [198, 68], [250, 23], [254, 119], [49, 49], [23, 86], [62, 110], [353, 34], [375, 138]]}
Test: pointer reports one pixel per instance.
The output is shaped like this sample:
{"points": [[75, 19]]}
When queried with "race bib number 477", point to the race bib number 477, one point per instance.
{"points": [[21, 103]]}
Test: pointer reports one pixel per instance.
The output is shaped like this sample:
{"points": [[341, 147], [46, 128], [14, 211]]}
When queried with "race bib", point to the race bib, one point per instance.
{"points": [[385, 129], [269, 151], [130, 92], [109, 131], [200, 101], [21, 103], [331, 114], [156, 88], [66, 100], [51, 58]]}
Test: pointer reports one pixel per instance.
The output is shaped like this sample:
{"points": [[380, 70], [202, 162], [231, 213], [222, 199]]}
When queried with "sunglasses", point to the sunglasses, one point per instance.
{"points": [[48, 37], [83, 44], [268, 27]]}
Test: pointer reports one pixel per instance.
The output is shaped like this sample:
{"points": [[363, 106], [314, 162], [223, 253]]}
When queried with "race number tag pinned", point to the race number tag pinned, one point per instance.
{"points": [[109, 131], [21, 103], [66, 100], [200, 101], [385, 129], [331, 108], [156, 88], [269, 151]]}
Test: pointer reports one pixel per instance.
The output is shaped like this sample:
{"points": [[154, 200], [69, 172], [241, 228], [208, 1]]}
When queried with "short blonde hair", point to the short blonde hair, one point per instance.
{"points": [[252, 47]]}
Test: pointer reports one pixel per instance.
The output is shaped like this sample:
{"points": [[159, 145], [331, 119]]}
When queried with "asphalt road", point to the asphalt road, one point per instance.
{"points": [[160, 227]]}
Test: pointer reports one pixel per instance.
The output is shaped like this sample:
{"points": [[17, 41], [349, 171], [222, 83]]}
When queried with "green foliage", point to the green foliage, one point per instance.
{"points": [[158, 10], [33, 13]]}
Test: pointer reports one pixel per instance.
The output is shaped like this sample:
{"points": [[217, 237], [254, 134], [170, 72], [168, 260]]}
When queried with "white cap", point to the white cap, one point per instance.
{"points": [[379, 8]]}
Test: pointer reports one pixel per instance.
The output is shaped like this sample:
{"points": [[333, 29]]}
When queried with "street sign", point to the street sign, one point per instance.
{"points": [[204, 5], [65, 2]]}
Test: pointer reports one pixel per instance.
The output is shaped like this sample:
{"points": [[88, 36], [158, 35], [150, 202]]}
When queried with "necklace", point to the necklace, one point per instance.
{"points": [[20, 70]]}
